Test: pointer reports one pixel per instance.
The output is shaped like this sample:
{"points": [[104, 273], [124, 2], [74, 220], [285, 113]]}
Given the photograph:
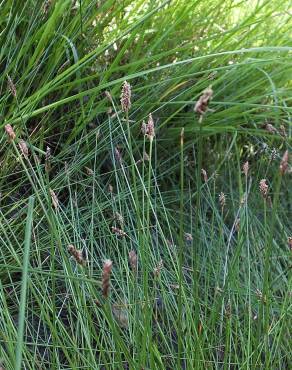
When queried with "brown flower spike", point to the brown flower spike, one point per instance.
{"points": [[23, 148], [106, 275], [77, 254], [11, 86], [148, 129], [284, 163], [264, 188], [222, 199], [118, 232], [290, 243], [54, 198], [10, 132], [245, 168], [126, 97], [119, 218], [201, 106], [204, 173], [158, 268], [133, 259], [48, 159]]}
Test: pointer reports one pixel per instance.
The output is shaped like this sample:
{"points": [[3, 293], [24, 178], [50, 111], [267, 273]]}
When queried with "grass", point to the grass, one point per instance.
{"points": [[222, 299]]}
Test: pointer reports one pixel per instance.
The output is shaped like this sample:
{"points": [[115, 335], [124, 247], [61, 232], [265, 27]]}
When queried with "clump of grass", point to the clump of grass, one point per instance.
{"points": [[198, 282]]}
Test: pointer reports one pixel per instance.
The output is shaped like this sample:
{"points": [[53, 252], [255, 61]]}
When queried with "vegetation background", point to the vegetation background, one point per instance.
{"points": [[201, 260]]}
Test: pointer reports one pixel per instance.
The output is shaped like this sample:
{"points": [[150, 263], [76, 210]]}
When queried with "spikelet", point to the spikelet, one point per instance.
{"points": [[222, 199], [158, 268], [188, 237], [126, 97], [10, 132], [282, 131], [106, 274], [264, 188], [110, 188], [260, 296], [46, 6], [284, 163], [270, 128], [89, 171], [118, 231], [144, 128], [23, 148], [245, 168], [237, 224], [201, 106], [77, 254], [273, 154], [118, 155], [133, 259], [55, 201], [290, 243], [119, 218], [150, 128], [11, 86], [204, 173], [48, 160]]}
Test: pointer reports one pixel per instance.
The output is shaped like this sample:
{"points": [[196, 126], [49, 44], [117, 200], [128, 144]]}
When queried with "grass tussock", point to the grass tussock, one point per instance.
{"points": [[145, 184]]}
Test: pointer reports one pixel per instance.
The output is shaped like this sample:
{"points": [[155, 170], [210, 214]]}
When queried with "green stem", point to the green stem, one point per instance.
{"points": [[24, 284]]}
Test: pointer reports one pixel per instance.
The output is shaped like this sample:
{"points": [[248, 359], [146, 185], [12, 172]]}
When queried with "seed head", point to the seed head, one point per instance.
{"points": [[282, 131], [48, 159], [23, 148], [158, 268], [228, 309], [89, 171], [150, 128], [243, 199], [126, 97], [274, 154], [264, 188], [46, 6], [290, 243], [11, 86], [270, 128], [284, 163], [188, 237], [237, 224], [10, 132], [245, 168], [106, 275], [144, 128], [119, 218], [77, 254], [204, 173], [222, 199], [133, 259], [118, 155], [54, 198], [260, 296], [118, 231], [201, 106]]}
